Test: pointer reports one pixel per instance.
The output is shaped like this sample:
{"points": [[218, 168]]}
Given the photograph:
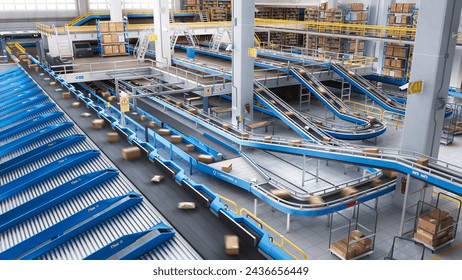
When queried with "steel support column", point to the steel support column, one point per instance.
{"points": [[243, 64], [116, 10], [162, 30], [432, 63]]}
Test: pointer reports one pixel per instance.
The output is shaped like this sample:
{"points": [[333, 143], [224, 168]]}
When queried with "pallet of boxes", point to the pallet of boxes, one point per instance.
{"points": [[435, 229], [355, 246]]}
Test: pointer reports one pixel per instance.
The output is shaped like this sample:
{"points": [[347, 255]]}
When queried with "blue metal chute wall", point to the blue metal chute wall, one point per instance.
{"points": [[34, 133]]}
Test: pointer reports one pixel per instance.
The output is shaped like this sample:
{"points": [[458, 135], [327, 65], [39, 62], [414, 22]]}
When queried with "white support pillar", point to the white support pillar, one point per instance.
{"points": [[432, 63], [332, 4], [456, 77], [243, 64], [162, 30], [381, 19], [116, 10]]}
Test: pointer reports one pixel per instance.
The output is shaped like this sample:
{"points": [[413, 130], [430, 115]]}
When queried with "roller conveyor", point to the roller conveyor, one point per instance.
{"points": [[38, 207], [167, 165]]}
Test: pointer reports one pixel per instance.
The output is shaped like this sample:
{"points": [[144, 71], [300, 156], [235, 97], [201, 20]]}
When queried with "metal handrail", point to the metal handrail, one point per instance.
{"points": [[283, 239], [368, 109]]}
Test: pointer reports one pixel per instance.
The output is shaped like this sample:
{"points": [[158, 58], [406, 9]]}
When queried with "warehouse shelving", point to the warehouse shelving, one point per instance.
{"points": [[112, 38], [398, 65]]}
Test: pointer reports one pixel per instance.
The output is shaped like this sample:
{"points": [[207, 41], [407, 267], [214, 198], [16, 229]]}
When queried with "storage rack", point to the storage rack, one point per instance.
{"points": [[194, 5], [112, 38], [398, 58]]}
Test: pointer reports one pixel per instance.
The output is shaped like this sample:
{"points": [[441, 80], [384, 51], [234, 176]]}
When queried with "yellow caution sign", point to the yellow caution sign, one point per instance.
{"points": [[415, 87], [252, 52], [152, 38], [108, 104], [124, 104]]}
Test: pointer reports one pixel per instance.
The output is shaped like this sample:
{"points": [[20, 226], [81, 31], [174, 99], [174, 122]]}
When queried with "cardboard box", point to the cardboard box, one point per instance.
{"points": [[164, 132], [190, 148], [53, 84], [326, 139], [66, 95], [342, 249], [107, 38], [371, 152], [386, 72], [115, 49], [107, 49], [268, 139], [390, 174], [152, 124], [105, 94], [315, 199], [225, 126], [112, 27], [284, 194], [122, 49], [399, 74], [37, 69], [323, 6], [295, 143], [192, 111], [111, 98], [143, 118], [376, 182], [104, 26], [227, 168], [131, 153], [231, 244], [187, 205], [245, 136], [387, 62], [157, 178], [112, 137], [433, 225], [389, 51], [119, 27], [75, 105], [175, 139], [438, 214], [97, 124], [392, 20], [205, 158], [347, 191], [115, 38], [422, 161], [358, 6]]}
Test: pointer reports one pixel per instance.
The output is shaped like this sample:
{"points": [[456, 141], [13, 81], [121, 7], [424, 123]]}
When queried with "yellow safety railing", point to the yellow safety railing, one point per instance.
{"points": [[394, 119], [367, 109], [283, 241], [20, 48], [8, 49], [448, 197], [229, 202], [256, 40], [398, 32]]}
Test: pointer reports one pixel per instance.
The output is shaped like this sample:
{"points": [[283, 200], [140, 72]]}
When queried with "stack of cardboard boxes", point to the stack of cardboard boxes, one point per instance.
{"points": [[435, 228], [112, 38], [355, 245], [405, 8]]}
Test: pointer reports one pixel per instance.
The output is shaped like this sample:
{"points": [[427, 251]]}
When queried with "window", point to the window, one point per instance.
{"points": [[126, 4], [41, 5]]}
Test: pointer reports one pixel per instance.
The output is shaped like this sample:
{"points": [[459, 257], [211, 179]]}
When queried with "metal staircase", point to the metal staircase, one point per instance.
{"points": [[216, 39], [64, 42], [192, 40], [143, 43], [204, 17], [174, 38]]}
